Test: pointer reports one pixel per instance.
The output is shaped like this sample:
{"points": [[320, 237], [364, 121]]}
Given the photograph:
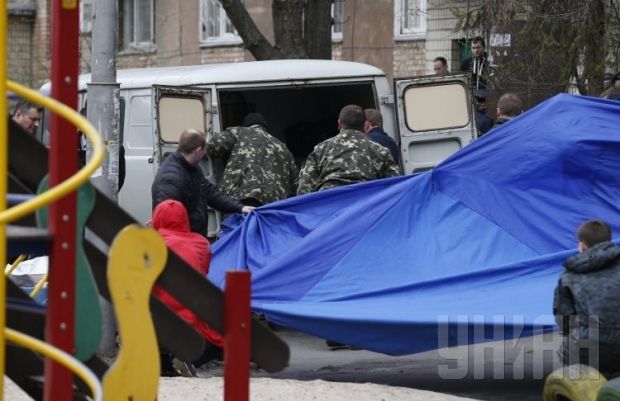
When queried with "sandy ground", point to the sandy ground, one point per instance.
{"points": [[264, 389]]}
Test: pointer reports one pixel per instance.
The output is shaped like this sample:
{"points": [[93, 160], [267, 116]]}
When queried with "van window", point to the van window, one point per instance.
{"points": [[139, 134], [435, 107], [175, 112]]}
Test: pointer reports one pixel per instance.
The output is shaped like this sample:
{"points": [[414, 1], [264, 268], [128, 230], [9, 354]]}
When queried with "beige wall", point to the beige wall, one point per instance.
{"points": [[409, 59], [368, 33], [176, 34], [41, 56], [20, 49]]}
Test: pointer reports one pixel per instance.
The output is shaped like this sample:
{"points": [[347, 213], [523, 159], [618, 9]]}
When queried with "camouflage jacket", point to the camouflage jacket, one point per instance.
{"points": [[347, 158], [258, 165], [587, 292]]}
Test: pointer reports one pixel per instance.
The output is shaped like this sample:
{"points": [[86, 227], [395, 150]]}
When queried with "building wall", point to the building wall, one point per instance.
{"points": [[225, 54], [368, 33], [441, 35], [20, 49], [368, 37], [409, 59]]}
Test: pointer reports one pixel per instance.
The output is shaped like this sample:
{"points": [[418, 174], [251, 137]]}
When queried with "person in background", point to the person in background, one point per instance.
{"points": [[477, 64], [509, 106], [440, 66], [373, 127], [484, 123], [586, 301], [27, 115]]}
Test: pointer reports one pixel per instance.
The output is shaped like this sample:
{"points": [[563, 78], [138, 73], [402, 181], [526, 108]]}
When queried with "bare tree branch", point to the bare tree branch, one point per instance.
{"points": [[302, 29], [254, 40]]}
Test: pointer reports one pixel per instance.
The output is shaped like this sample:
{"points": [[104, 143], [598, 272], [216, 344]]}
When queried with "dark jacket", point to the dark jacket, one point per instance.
{"points": [[479, 76], [378, 135], [179, 180], [501, 120], [483, 123], [588, 289]]}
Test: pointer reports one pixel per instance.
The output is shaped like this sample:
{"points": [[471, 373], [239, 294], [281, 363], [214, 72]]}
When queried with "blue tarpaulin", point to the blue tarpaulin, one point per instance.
{"points": [[413, 263]]}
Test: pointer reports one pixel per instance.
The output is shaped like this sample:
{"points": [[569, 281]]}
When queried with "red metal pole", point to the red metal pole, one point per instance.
{"points": [[237, 332], [62, 224]]}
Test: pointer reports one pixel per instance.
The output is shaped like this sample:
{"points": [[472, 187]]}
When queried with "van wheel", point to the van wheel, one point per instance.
{"points": [[573, 383], [609, 391]]}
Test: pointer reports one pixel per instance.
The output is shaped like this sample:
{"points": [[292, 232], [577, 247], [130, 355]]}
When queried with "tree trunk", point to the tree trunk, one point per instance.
{"points": [[318, 29], [254, 40], [288, 27], [595, 49]]}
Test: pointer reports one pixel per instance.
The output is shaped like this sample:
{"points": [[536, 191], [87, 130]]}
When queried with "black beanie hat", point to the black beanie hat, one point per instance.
{"points": [[253, 119]]}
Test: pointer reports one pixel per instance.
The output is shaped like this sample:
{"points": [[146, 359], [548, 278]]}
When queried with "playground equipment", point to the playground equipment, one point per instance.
{"points": [[132, 250], [609, 391], [573, 383]]}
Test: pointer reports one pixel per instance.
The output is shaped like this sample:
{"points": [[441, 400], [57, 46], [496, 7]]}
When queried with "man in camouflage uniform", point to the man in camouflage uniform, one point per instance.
{"points": [[347, 158], [259, 167], [586, 302]]}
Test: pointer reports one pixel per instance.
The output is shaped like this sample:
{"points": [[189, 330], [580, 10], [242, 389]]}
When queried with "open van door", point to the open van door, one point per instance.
{"points": [[175, 109], [435, 118]]}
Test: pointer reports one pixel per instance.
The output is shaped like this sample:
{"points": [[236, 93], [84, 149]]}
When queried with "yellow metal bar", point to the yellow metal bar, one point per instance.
{"points": [[72, 183], [77, 367], [37, 288], [9, 269], [4, 29]]}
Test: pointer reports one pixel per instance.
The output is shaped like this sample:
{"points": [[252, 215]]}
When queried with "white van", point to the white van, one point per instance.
{"points": [[430, 117]]}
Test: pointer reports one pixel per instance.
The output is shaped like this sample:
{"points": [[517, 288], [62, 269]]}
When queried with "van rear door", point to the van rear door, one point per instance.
{"points": [[435, 118], [175, 109]]}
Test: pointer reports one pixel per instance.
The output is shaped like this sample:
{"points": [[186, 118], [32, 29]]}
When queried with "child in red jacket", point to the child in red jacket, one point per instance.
{"points": [[171, 221]]}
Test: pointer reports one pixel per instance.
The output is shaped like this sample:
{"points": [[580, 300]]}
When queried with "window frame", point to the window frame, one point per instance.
{"points": [[400, 33], [86, 23], [224, 38], [129, 40], [337, 36]]}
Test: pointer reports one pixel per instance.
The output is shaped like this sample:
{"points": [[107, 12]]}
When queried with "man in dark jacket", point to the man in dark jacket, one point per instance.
{"points": [[373, 127], [180, 178], [509, 106], [586, 301], [477, 64]]}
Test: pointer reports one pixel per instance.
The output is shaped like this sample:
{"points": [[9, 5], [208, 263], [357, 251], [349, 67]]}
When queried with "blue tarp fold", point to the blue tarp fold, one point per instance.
{"points": [[406, 264]]}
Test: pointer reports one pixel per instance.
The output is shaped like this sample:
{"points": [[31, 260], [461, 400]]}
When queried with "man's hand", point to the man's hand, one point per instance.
{"points": [[247, 209]]}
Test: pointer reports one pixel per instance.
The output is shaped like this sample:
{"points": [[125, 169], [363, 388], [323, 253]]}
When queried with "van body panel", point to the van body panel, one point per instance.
{"points": [[174, 110], [137, 138], [435, 118], [245, 73], [300, 99]]}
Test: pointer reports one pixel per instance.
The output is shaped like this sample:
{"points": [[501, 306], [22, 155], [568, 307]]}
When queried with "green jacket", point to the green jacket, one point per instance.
{"points": [[258, 165], [346, 158]]}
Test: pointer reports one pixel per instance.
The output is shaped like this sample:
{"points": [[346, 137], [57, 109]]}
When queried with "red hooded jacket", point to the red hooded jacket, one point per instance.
{"points": [[171, 221]]}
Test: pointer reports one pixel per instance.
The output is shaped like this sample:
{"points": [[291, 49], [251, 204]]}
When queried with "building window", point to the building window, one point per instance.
{"points": [[215, 27], [410, 19], [137, 23], [337, 20], [87, 10]]}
